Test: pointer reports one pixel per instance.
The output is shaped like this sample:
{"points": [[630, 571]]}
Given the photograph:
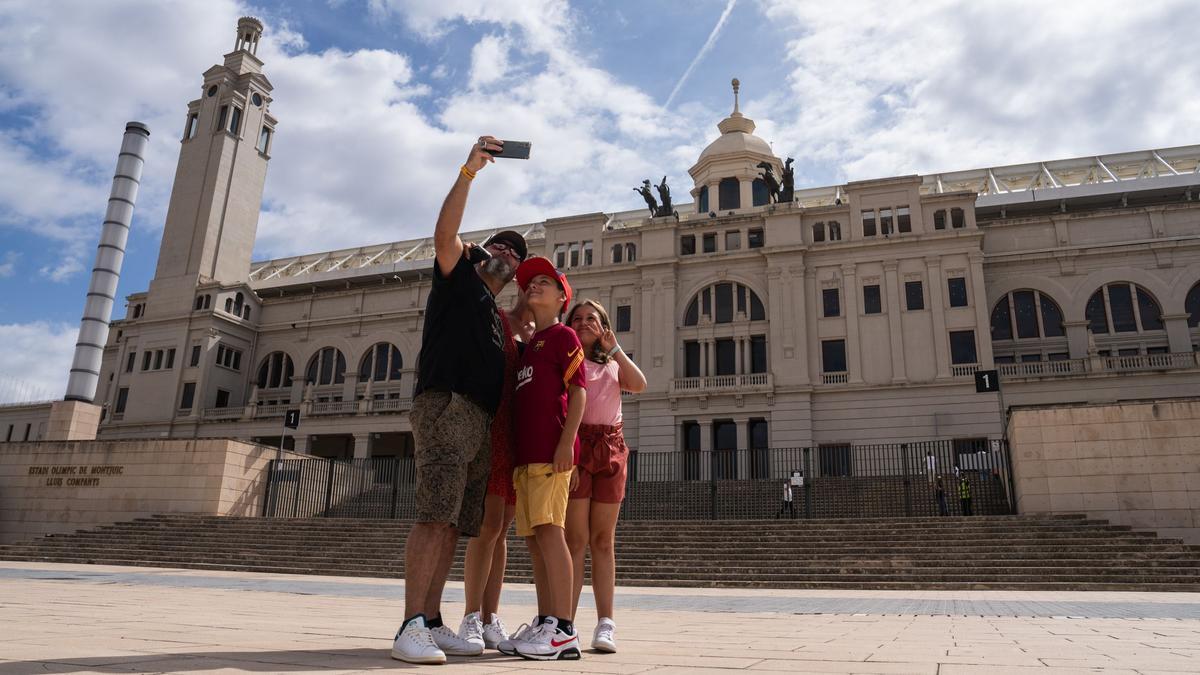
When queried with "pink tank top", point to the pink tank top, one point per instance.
{"points": [[603, 394]]}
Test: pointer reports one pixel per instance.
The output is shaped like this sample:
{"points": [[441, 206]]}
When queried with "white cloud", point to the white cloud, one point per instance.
{"points": [[944, 85], [489, 60], [9, 266], [36, 359], [62, 270]]}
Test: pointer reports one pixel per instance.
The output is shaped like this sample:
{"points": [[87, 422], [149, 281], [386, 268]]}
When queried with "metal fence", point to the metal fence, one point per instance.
{"points": [[831, 481]]}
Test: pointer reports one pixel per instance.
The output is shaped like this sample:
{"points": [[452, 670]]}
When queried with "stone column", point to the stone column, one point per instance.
{"points": [[983, 325], [302, 444], [743, 444], [737, 355], [853, 343], [891, 299], [1178, 334], [362, 445], [941, 340], [812, 345], [746, 185], [1077, 338], [794, 284]]}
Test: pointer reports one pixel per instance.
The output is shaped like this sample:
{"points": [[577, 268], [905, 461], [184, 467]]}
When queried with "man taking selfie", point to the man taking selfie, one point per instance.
{"points": [[460, 373]]}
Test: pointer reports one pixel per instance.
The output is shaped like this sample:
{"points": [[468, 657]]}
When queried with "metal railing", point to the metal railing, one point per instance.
{"points": [[833, 481]]}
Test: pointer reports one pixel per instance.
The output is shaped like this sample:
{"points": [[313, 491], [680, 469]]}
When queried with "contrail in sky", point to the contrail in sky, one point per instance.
{"points": [[712, 38]]}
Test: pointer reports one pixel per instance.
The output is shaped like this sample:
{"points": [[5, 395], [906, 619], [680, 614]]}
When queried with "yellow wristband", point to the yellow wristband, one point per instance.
{"points": [[467, 172]]}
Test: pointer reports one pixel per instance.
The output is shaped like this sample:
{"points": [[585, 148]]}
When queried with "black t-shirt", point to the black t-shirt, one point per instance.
{"points": [[462, 342]]}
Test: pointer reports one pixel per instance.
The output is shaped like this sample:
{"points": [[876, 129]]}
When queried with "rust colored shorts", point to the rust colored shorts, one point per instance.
{"points": [[603, 464]]}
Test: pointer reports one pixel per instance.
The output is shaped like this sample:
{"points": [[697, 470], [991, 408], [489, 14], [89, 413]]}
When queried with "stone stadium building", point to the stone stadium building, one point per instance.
{"points": [[855, 314]]}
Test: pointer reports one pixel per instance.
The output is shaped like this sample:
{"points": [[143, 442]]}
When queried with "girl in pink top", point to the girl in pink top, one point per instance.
{"points": [[596, 501]]}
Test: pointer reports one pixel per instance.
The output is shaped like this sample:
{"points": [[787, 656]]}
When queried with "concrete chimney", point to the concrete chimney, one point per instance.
{"points": [[110, 254]]}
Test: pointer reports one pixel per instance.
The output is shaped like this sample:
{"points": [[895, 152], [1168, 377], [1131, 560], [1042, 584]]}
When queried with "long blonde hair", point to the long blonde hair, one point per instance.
{"points": [[597, 352]]}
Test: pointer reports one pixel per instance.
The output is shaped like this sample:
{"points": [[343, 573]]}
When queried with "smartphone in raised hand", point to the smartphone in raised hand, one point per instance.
{"points": [[512, 150]]}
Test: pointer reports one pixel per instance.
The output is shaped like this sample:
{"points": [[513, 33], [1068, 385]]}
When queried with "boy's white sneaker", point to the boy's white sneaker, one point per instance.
{"points": [[508, 646], [414, 643], [449, 642], [494, 633], [549, 643], [602, 639], [471, 630]]}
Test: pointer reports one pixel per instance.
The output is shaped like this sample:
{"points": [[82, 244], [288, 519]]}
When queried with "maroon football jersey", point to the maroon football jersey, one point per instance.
{"points": [[553, 361]]}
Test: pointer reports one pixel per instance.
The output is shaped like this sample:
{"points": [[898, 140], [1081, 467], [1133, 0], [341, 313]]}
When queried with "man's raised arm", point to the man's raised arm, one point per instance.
{"points": [[446, 243]]}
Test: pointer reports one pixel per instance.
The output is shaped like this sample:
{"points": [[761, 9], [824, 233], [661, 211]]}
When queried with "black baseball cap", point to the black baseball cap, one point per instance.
{"points": [[513, 239]]}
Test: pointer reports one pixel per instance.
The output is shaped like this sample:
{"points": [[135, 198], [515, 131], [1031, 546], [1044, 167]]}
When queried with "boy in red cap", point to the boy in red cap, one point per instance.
{"points": [[550, 398]]}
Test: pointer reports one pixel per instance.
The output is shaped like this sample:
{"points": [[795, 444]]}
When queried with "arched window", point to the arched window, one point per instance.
{"points": [[1191, 305], [382, 363], [1026, 314], [199, 302], [818, 230], [276, 371], [207, 301], [1123, 307], [327, 366], [246, 312], [730, 193], [238, 301], [630, 252], [702, 200], [835, 231], [229, 305], [617, 253], [721, 302], [957, 218], [761, 196]]}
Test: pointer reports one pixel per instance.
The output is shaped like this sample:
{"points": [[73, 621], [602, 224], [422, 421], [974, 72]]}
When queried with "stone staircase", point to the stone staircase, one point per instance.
{"points": [[985, 552]]}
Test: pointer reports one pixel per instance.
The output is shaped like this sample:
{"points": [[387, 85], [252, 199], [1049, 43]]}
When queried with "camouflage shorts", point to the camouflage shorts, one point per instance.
{"points": [[453, 459]]}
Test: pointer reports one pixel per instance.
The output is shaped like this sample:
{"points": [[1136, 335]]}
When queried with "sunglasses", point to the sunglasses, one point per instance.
{"points": [[502, 247]]}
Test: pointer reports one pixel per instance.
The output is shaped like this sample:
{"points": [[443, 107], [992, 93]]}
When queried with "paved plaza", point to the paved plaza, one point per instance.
{"points": [[57, 618]]}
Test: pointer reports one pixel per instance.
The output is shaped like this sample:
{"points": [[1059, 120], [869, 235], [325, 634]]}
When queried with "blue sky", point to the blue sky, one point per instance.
{"points": [[378, 100]]}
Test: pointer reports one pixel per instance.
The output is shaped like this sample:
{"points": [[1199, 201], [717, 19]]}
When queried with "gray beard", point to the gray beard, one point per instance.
{"points": [[499, 268]]}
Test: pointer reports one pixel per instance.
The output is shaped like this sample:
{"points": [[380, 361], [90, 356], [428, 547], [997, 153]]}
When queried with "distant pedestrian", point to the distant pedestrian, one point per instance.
{"points": [[930, 465], [940, 493], [964, 495], [787, 504]]}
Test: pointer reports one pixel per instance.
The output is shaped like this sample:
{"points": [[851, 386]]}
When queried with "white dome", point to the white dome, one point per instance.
{"points": [[734, 142]]}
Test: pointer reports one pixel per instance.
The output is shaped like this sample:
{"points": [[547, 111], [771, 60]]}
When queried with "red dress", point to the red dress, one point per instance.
{"points": [[500, 482]]}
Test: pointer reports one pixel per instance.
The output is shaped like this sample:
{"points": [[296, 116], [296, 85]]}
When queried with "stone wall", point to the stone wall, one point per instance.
{"points": [[54, 487], [1134, 464]]}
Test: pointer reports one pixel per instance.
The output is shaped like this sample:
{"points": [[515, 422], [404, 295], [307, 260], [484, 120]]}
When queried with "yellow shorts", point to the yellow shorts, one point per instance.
{"points": [[541, 497]]}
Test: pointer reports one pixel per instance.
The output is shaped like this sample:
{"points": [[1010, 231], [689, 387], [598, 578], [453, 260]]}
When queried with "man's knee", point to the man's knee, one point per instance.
{"points": [[601, 542]]}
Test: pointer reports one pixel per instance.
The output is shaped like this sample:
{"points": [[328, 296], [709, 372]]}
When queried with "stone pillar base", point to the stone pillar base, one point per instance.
{"points": [[73, 421]]}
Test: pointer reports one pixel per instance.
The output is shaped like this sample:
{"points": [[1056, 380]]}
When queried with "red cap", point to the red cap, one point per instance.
{"points": [[536, 265]]}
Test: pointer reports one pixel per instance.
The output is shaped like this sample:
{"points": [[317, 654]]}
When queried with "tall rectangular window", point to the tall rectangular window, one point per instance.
{"points": [[831, 302], [195, 358], [872, 302], [192, 122], [833, 356], [221, 117], [158, 359], [724, 303], [758, 353], [222, 399], [730, 193], [560, 256], [726, 357], [903, 219], [574, 249], [958, 291], [962, 347], [710, 242], [754, 237], [687, 244], [146, 356], [170, 359], [624, 318], [691, 359], [189, 395], [235, 120], [885, 221], [122, 399], [914, 295], [264, 140], [868, 223], [587, 253], [129, 363]]}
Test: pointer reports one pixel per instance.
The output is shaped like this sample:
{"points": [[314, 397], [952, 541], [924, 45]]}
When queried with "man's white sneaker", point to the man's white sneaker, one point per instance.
{"points": [[471, 630], [494, 633], [549, 643], [449, 642], [414, 643], [508, 646], [602, 639]]}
